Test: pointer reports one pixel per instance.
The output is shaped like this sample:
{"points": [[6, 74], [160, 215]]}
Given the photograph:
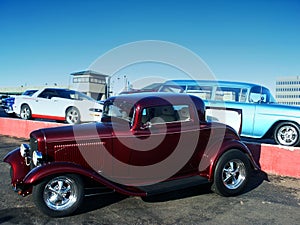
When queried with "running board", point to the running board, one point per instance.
{"points": [[173, 185], [97, 191]]}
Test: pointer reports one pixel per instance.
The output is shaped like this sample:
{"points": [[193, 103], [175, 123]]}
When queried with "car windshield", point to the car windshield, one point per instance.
{"points": [[29, 92], [119, 109], [230, 94]]}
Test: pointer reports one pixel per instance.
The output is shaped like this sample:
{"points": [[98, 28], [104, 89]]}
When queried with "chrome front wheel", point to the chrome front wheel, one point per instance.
{"points": [[59, 196], [73, 116]]}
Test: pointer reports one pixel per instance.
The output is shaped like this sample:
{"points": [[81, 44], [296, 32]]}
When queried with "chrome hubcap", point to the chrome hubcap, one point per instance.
{"points": [[287, 135], [60, 193], [234, 174]]}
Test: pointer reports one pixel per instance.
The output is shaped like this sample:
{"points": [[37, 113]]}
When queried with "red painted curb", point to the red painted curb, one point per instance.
{"points": [[273, 159], [276, 159], [22, 128]]}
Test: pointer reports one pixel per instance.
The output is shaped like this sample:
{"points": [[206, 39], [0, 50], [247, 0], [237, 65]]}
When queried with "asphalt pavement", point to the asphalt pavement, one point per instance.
{"points": [[269, 199]]}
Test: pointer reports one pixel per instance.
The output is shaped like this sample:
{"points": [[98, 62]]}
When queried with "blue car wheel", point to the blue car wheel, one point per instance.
{"points": [[287, 133]]}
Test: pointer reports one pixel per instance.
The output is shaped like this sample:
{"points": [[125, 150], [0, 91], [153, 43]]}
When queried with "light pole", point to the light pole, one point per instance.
{"points": [[108, 87], [125, 85]]}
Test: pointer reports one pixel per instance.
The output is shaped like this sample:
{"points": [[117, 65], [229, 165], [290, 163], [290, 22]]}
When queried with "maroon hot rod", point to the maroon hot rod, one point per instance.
{"points": [[146, 143]]}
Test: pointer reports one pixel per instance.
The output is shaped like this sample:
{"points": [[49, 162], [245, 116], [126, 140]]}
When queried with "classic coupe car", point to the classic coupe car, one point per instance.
{"points": [[58, 104], [146, 144], [262, 116]]}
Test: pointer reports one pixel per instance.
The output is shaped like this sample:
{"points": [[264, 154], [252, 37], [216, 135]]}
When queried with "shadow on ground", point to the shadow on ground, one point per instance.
{"points": [[97, 202]]}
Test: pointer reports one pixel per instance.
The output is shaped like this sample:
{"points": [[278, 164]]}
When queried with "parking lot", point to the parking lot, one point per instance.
{"points": [[268, 200]]}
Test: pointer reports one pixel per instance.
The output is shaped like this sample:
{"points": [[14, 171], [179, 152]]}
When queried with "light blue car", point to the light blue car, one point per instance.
{"points": [[262, 117]]}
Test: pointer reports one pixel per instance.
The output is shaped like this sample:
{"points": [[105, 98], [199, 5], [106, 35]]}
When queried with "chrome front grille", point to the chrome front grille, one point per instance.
{"points": [[33, 144], [33, 147]]}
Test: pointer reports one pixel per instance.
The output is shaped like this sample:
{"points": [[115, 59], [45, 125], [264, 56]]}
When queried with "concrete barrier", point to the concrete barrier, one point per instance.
{"points": [[21, 128], [273, 159], [276, 159]]}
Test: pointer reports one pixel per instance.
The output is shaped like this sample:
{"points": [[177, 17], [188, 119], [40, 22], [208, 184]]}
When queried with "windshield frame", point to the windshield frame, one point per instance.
{"points": [[120, 110]]}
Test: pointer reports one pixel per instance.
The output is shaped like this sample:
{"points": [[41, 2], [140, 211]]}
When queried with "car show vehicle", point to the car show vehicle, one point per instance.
{"points": [[58, 104], [146, 144], [7, 103], [262, 116], [3, 96]]}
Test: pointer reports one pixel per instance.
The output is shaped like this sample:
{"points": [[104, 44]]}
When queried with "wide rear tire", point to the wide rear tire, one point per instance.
{"points": [[232, 173]]}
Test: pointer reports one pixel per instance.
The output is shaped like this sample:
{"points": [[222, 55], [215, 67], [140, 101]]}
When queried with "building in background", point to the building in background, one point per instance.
{"points": [[288, 90], [91, 83]]}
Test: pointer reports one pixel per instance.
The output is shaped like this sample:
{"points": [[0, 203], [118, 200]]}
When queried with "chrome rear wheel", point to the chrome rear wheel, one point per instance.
{"points": [[232, 173], [287, 134], [25, 112]]}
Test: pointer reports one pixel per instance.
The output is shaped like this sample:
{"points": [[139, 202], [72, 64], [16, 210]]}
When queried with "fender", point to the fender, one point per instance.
{"points": [[227, 145], [56, 168], [18, 166]]}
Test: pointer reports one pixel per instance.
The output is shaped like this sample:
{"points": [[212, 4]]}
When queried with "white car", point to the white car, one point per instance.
{"points": [[58, 104]]}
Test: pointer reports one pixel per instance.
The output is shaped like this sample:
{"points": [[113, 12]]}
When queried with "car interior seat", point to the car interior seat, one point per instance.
{"points": [[184, 114], [164, 114]]}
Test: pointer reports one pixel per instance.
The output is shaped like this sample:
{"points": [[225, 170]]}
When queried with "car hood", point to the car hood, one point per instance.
{"points": [[75, 133]]}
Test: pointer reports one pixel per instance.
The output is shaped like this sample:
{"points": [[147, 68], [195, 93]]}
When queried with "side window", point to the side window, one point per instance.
{"points": [[64, 94], [47, 94], [227, 94], [243, 95], [204, 92], [183, 112], [259, 94], [165, 114]]}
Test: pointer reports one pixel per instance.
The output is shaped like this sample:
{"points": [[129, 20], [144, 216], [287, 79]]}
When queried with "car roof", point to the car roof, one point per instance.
{"points": [[147, 98], [210, 82], [63, 89], [56, 89]]}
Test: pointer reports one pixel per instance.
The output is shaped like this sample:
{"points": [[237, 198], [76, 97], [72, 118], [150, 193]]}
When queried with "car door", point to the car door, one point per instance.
{"points": [[45, 105], [265, 113], [158, 147]]}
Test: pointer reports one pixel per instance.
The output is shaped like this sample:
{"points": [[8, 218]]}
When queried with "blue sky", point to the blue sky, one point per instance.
{"points": [[44, 41]]}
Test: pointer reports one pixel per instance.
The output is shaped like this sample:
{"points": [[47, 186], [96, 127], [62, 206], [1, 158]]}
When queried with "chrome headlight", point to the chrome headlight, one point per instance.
{"points": [[24, 150], [37, 158]]}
